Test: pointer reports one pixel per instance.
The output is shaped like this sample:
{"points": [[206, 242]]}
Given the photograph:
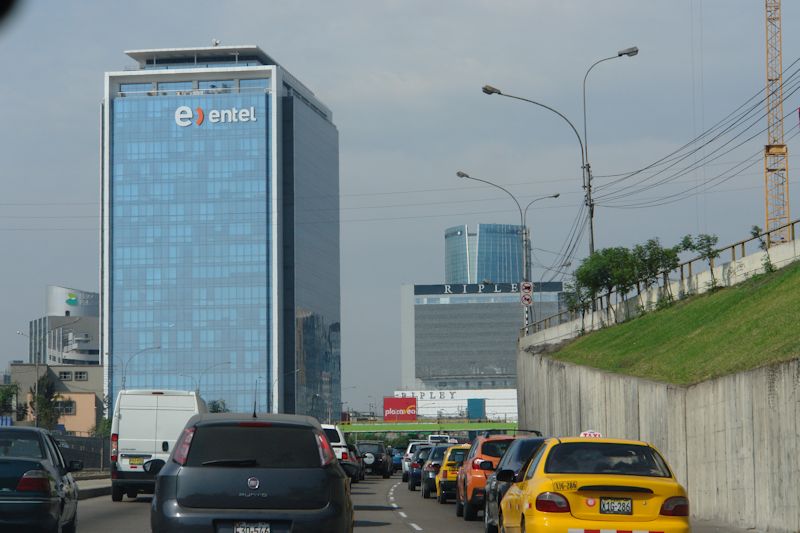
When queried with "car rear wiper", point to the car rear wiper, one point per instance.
{"points": [[231, 462]]}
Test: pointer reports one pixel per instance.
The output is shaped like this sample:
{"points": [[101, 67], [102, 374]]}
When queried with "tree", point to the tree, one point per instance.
{"points": [[703, 245], [102, 429], [218, 406], [607, 269], [8, 394], [44, 407], [757, 233]]}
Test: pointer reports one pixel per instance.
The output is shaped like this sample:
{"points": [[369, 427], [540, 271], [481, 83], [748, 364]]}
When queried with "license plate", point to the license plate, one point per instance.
{"points": [[616, 506], [250, 527], [452, 474], [136, 460]]}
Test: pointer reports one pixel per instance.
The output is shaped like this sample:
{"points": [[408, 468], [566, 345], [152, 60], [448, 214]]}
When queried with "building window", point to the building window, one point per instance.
{"points": [[81, 376], [65, 376], [65, 407]]}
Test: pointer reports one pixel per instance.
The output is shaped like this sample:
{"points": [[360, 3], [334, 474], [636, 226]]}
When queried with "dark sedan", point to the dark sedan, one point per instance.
{"points": [[430, 468], [237, 473], [415, 468], [36, 488], [516, 458]]}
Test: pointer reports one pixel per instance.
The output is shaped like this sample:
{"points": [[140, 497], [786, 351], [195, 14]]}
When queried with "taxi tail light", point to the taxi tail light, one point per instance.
{"points": [[326, 453], [552, 502], [114, 447], [676, 506], [183, 445], [476, 464], [345, 457], [34, 481]]}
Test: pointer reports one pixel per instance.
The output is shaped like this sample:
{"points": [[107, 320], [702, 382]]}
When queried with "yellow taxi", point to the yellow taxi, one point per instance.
{"points": [[595, 485], [446, 478]]}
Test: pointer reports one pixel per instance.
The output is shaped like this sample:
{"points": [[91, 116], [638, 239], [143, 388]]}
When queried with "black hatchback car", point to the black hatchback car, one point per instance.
{"points": [[37, 491], [377, 459], [233, 473], [514, 461]]}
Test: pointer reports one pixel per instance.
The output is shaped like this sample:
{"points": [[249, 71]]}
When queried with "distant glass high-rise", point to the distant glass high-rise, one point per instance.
{"points": [[492, 253], [220, 243]]}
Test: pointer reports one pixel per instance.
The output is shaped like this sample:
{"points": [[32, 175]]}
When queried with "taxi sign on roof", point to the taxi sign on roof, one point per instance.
{"points": [[591, 434]]}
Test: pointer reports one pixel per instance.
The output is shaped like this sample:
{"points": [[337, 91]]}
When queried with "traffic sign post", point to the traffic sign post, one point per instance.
{"points": [[526, 300]]}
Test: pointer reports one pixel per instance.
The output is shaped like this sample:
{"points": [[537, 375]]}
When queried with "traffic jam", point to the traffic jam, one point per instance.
{"points": [[530, 483]]}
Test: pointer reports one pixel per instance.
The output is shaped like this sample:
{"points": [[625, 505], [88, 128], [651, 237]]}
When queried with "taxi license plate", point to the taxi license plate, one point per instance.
{"points": [[135, 460], [616, 506], [250, 527]]}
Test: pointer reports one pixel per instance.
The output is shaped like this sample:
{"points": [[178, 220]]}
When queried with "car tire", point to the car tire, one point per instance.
{"points": [[354, 479], [387, 475], [488, 527], [132, 494], [411, 485], [500, 526], [441, 498], [470, 511], [362, 476], [116, 493], [404, 479], [426, 491], [459, 505]]}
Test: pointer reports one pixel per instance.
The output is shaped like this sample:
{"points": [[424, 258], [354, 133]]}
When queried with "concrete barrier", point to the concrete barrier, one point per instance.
{"points": [[733, 442]]}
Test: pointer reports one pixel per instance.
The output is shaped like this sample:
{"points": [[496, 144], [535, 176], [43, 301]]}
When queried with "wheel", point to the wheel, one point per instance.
{"points": [[411, 485], [132, 493], [362, 476], [387, 475], [354, 479], [459, 504], [405, 477], [72, 525], [470, 511], [426, 490], [522, 525], [116, 493], [500, 525], [441, 498], [488, 527]]}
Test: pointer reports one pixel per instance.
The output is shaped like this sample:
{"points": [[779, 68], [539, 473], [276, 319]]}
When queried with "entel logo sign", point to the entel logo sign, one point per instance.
{"points": [[184, 115]]}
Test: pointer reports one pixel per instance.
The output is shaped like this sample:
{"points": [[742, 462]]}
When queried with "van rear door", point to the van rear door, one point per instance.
{"points": [[171, 417], [137, 430]]}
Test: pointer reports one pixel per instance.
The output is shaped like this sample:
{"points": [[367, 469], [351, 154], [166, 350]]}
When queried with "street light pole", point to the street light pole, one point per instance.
{"points": [[628, 52], [523, 222], [130, 358]]}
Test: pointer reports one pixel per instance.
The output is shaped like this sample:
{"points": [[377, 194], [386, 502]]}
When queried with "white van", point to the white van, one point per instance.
{"points": [[145, 426]]}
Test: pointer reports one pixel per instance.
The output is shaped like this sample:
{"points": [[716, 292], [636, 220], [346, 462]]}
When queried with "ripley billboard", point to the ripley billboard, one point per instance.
{"points": [[399, 409]]}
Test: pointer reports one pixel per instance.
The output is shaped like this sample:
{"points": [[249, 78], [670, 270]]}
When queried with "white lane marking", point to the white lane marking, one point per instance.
{"points": [[395, 505], [415, 526], [391, 498], [402, 514]]}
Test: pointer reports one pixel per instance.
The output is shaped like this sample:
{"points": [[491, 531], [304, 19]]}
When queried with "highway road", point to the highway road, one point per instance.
{"points": [[381, 506]]}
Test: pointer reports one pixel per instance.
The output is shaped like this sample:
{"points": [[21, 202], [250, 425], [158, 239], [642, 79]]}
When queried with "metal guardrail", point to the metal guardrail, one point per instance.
{"points": [[684, 270]]}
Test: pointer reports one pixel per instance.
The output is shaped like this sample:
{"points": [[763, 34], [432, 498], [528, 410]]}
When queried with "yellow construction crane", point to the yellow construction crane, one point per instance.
{"points": [[776, 155]]}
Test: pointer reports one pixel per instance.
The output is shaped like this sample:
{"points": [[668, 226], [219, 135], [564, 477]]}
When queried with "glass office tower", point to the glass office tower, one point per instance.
{"points": [[492, 253], [220, 238]]}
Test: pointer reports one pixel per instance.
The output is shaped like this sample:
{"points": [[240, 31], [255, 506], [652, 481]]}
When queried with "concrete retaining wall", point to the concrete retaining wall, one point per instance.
{"points": [[733, 442]]}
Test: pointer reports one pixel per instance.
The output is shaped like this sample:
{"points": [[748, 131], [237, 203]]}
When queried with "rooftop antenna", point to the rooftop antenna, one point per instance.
{"points": [[214, 42], [255, 397]]}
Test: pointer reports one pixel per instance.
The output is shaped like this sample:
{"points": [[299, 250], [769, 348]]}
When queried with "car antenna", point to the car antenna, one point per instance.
{"points": [[255, 398]]}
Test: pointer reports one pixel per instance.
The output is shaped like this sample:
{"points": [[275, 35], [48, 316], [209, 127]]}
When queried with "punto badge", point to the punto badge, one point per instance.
{"points": [[253, 483]]}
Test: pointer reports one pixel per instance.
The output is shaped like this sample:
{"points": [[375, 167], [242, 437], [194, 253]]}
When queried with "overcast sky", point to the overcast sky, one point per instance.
{"points": [[403, 79]]}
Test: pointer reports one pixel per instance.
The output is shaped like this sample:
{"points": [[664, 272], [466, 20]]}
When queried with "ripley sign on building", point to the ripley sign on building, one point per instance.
{"points": [[399, 409]]}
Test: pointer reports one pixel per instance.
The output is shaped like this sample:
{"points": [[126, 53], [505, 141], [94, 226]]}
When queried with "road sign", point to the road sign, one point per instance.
{"points": [[526, 299], [526, 287]]}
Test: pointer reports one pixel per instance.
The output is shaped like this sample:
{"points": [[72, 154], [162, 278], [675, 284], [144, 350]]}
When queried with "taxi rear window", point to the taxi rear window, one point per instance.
{"points": [[605, 458], [457, 455]]}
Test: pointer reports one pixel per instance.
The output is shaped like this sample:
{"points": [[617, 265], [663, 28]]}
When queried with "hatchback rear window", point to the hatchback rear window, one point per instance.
{"points": [[605, 458], [20, 444], [333, 436], [495, 448], [262, 447], [370, 448]]}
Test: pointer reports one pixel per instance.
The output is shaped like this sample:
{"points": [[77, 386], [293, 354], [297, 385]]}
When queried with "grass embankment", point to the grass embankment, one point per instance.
{"points": [[739, 328]]}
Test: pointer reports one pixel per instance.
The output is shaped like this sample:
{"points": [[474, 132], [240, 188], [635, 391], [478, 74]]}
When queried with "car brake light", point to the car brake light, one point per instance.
{"points": [[182, 447], [432, 467], [552, 502], [114, 447], [254, 424], [414, 465], [34, 481], [345, 456], [326, 453], [476, 464], [676, 506]]}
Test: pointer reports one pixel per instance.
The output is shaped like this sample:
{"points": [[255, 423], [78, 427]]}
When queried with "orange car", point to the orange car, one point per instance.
{"points": [[482, 458]]}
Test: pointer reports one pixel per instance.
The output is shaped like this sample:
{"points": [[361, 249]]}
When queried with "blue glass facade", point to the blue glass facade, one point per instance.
{"points": [[491, 254], [221, 237]]}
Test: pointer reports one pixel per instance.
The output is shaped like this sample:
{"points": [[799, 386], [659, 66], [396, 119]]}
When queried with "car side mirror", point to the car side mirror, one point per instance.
{"points": [[506, 475], [154, 466], [75, 466], [487, 466], [165, 446]]}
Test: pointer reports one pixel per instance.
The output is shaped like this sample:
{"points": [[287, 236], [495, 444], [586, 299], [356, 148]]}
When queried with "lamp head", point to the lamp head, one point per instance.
{"points": [[556, 195], [630, 52], [488, 89], [462, 174]]}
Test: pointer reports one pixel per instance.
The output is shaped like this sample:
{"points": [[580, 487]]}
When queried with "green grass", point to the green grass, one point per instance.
{"points": [[423, 427], [739, 328]]}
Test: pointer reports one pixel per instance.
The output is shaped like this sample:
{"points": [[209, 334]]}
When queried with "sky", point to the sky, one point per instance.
{"points": [[403, 79]]}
